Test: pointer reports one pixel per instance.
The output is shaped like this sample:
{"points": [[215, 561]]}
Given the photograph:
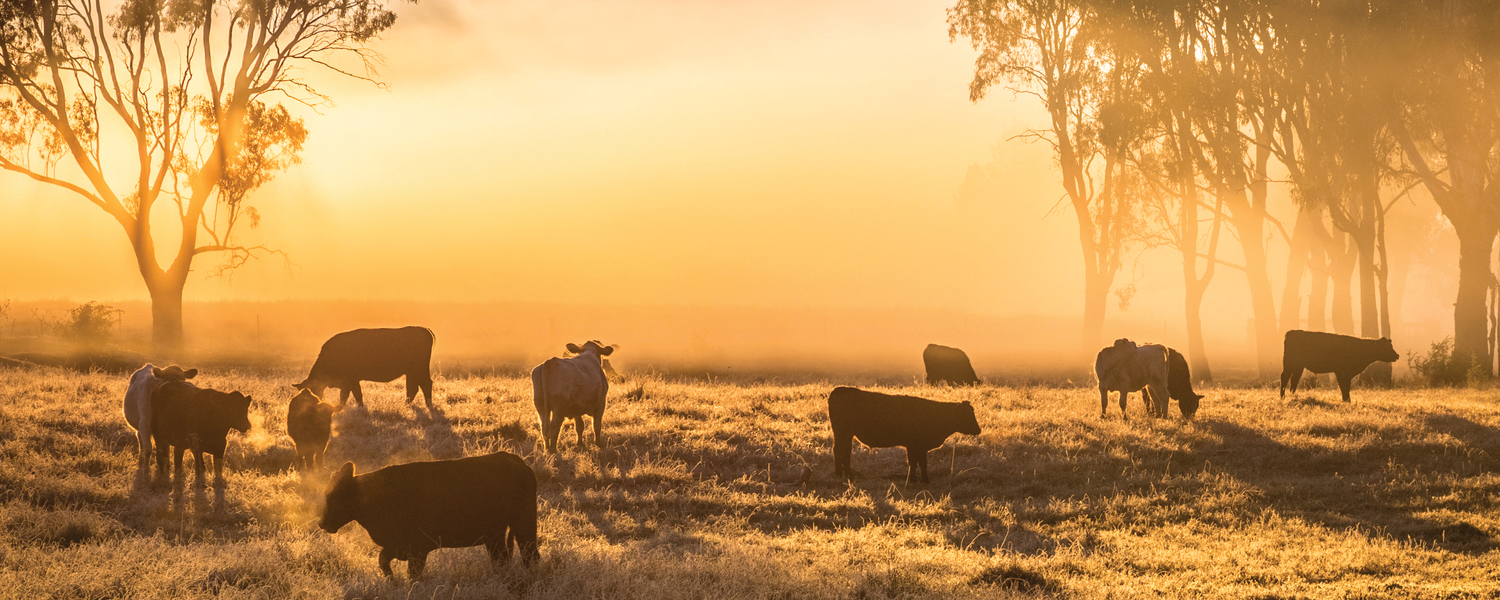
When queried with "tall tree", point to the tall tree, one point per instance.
{"points": [[1044, 48], [189, 90]]}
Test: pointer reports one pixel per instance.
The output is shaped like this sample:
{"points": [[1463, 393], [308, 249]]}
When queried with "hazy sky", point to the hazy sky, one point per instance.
{"points": [[637, 152]]}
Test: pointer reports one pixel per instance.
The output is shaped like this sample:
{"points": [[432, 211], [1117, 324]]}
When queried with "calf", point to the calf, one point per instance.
{"points": [[412, 509], [373, 355], [1126, 367], [882, 420], [950, 365], [569, 388], [184, 416], [309, 422], [1180, 384], [1344, 356], [143, 384]]}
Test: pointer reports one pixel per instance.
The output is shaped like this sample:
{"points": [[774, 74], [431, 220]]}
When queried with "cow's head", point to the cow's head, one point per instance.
{"points": [[342, 501], [595, 346], [174, 373], [1189, 406], [316, 385], [967, 424], [1387, 351], [237, 411]]}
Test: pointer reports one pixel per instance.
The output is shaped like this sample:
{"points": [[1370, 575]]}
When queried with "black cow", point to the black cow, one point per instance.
{"points": [[185, 417], [1343, 355], [373, 355], [309, 422], [883, 420], [412, 509], [1180, 384], [948, 364]]}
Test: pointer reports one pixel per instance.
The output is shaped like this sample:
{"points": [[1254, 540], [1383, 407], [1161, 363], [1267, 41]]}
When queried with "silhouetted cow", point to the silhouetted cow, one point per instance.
{"points": [[948, 364], [143, 384], [883, 420], [1180, 384], [185, 417], [569, 388], [309, 422], [373, 355], [1125, 368], [1344, 356], [412, 509]]}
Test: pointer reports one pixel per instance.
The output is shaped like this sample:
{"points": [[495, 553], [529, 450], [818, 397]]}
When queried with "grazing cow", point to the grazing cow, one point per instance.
{"points": [[1343, 355], [143, 383], [569, 388], [882, 420], [948, 364], [309, 422], [373, 355], [184, 416], [412, 509], [1126, 367], [1180, 384]]}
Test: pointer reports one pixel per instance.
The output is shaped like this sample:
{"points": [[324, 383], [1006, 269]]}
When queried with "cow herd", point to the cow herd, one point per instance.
{"points": [[411, 509]]}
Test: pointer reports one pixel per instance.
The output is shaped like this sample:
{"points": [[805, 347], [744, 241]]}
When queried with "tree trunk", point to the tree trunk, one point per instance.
{"points": [[1095, 299], [1317, 290], [166, 317], [1342, 269], [1470, 313], [1296, 266], [1250, 224]]}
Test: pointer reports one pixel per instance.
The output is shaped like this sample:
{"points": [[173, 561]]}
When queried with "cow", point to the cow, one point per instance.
{"points": [[1343, 355], [1126, 367], [309, 422], [185, 416], [373, 355], [1180, 384], [143, 383], [948, 364], [883, 420], [412, 509], [569, 388]]}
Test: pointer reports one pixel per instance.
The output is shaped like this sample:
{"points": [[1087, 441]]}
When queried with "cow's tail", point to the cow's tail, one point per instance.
{"points": [[539, 379]]}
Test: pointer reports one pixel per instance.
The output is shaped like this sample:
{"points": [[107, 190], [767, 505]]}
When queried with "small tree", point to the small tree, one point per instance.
{"points": [[191, 89], [90, 323]]}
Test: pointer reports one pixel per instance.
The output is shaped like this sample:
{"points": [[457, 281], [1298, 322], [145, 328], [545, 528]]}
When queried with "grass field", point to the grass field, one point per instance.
{"points": [[697, 495]]}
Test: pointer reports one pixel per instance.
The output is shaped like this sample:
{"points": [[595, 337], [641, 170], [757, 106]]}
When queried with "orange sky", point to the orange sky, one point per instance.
{"points": [[636, 152]]}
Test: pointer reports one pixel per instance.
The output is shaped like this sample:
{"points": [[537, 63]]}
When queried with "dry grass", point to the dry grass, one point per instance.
{"points": [[696, 495]]}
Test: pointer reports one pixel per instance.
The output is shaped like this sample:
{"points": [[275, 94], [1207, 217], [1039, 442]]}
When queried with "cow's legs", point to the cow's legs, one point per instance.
{"points": [[415, 564], [1103, 403], [916, 460], [425, 385], [598, 420], [343, 396], [411, 391], [554, 431], [843, 446], [1296, 379], [1124, 395], [1159, 400], [219, 471], [578, 429], [359, 394], [1286, 375], [386, 555], [161, 462], [143, 462], [1345, 380], [177, 465]]}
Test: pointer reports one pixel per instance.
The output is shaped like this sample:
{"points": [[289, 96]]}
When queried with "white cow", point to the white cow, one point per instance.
{"points": [[569, 388], [143, 383], [1125, 368]]}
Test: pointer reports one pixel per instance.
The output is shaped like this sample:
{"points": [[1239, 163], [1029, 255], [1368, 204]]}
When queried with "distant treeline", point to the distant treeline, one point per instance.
{"points": [[1172, 120]]}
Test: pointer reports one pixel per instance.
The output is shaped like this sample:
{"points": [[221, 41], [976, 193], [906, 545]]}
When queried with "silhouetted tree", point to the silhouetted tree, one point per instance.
{"points": [[1044, 48], [188, 89]]}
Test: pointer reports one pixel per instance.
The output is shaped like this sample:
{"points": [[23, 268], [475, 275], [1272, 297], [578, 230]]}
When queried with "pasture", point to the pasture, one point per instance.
{"points": [[699, 493]]}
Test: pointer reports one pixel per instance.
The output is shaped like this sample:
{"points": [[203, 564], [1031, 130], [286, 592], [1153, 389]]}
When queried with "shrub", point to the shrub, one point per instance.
{"points": [[1440, 368], [90, 323]]}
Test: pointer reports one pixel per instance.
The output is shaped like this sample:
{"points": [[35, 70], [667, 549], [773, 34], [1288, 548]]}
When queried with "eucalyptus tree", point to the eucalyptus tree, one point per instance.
{"points": [[1047, 49], [188, 95]]}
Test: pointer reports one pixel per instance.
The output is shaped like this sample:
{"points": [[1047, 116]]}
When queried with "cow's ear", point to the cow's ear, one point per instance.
{"points": [[966, 403], [190, 373], [156, 372], [606, 351], [574, 348], [345, 471]]}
